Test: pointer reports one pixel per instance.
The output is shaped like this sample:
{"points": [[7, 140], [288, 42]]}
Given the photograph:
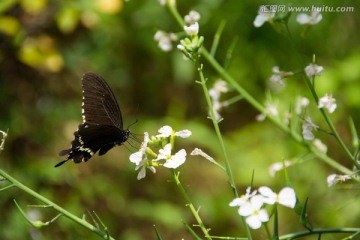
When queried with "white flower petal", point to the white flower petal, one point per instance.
{"points": [[331, 180], [142, 173], [236, 202], [259, 20], [303, 18], [308, 135], [165, 45], [164, 153], [327, 102], [165, 131], [307, 127], [136, 157], [253, 222], [198, 151], [264, 15], [257, 201], [176, 160], [320, 145], [287, 197], [152, 169], [246, 209], [275, 167], [263, 215], [266, 192], [183, 133], [193, 29], [192, 17], [313, 70]]}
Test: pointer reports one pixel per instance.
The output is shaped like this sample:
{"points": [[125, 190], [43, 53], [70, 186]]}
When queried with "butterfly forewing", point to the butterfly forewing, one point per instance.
{"points": [[99, 103]]}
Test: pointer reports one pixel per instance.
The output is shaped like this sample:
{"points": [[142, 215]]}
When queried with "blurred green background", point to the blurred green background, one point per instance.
{"points": [[46, 46]]}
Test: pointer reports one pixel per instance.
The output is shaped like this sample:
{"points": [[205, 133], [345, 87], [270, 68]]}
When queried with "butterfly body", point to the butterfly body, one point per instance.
{"points": [[102, 126]]}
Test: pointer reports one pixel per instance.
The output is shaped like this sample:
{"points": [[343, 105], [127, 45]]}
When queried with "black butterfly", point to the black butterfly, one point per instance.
{"points": [[102, 126]]}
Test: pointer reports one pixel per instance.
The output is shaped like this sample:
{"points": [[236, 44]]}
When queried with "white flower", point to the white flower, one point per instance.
{"points": [[264, 15], [313, 70], [301, 103], [275, 167], [162, 2], [143, 166], [220, 86], [278, 76], [165, 40], [140, 155], [269, 109], [193, 29], [198, 151], [310, 20], [331, 180], [327, 102], [167, 131], [255, 216], [286, 196], [334, 179], [320, 145], [140, 159], [238, 202], [192, 17], [172, 161], [307, 128]]}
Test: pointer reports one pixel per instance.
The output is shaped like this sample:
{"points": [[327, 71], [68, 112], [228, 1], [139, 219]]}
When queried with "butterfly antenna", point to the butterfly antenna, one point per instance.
{"points": [[132, 123]]}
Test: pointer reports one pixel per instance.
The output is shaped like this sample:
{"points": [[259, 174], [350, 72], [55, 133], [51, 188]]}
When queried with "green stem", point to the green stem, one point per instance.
{"points": [[329, 122], [190, 205], [221, 141], [217, 129], [172, 8], [338, 138], [59, 209], [320, 231]]}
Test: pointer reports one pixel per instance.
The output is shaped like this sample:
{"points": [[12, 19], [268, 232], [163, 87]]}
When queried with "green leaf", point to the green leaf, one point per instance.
{"points": [[6, 5]]}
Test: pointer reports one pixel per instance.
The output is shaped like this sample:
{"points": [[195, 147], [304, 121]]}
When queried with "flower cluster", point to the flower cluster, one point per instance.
{"points": [[270, 109], [334, 179], [268, 15], [165, 40], [327, 102], [146, 158], [220, 86], [312, 70], [191, 44], [278, 76], [251, 204]]}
